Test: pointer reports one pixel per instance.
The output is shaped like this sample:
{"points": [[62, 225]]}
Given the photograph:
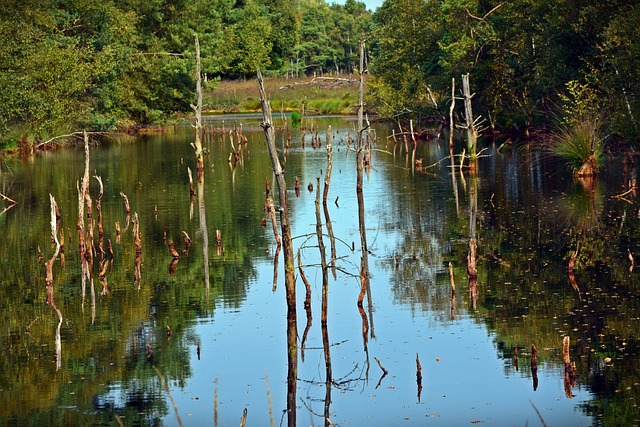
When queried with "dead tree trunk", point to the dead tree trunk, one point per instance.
{"points": [[289, 266], [364, 265], [453, 106], [198, 110], [267, 125], [472, 132]]}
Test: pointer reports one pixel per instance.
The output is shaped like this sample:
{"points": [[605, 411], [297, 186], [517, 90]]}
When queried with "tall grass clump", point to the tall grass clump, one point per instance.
{"points": [[580, 146], [578, 140]]}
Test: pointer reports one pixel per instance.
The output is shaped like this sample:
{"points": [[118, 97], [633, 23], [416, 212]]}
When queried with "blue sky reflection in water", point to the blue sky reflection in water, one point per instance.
{"points": [[416, 224]]}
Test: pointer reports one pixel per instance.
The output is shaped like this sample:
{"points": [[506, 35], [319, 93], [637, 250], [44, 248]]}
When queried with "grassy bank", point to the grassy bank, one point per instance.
{"points": [[320, 95]]}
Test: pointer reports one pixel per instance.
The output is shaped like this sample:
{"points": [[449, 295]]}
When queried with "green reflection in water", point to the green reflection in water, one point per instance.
{"points": [[530, 219]]}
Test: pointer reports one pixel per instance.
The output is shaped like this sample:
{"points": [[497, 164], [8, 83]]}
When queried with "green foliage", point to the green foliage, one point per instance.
{"points": [[617, 71], [578, 140], [580, 103], [521, 54], [96, 64]]}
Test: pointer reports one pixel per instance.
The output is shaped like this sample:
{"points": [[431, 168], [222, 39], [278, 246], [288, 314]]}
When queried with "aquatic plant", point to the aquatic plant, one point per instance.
{"points": [[581, 146], [296, 117], [578, 140]]}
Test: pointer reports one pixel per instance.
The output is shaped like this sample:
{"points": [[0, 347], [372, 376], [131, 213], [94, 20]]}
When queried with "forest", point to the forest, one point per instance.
{"points": [[70, 65]]}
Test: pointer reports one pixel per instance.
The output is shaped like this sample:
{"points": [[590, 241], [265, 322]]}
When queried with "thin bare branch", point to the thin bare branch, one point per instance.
{"points": [[485, 16]]}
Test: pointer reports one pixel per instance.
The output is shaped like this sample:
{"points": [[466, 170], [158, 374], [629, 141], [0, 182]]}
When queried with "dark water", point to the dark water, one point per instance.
{"points": [[178, 348]]}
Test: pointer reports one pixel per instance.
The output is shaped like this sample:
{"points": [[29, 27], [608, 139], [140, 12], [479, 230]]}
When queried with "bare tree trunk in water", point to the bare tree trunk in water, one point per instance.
{"points": [[198, 110], [451, 109], [289, 266], [472, 132], [325, 195], [364, 260]]}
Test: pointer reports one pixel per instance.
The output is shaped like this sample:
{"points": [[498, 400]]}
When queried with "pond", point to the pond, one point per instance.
{"points": [[143, 337]]}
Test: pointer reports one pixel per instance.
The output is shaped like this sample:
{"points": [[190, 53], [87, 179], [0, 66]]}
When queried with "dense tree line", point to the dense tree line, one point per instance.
{"points": [[93, 64], [529, 60]]}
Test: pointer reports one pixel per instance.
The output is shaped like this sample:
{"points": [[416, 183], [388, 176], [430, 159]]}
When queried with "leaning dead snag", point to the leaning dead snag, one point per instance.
{"points": [[289, 268], [325, 195], [267, 126]]}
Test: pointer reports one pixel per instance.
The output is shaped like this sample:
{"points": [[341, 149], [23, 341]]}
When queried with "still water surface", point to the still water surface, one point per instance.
{"points": [[176, 348]]}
